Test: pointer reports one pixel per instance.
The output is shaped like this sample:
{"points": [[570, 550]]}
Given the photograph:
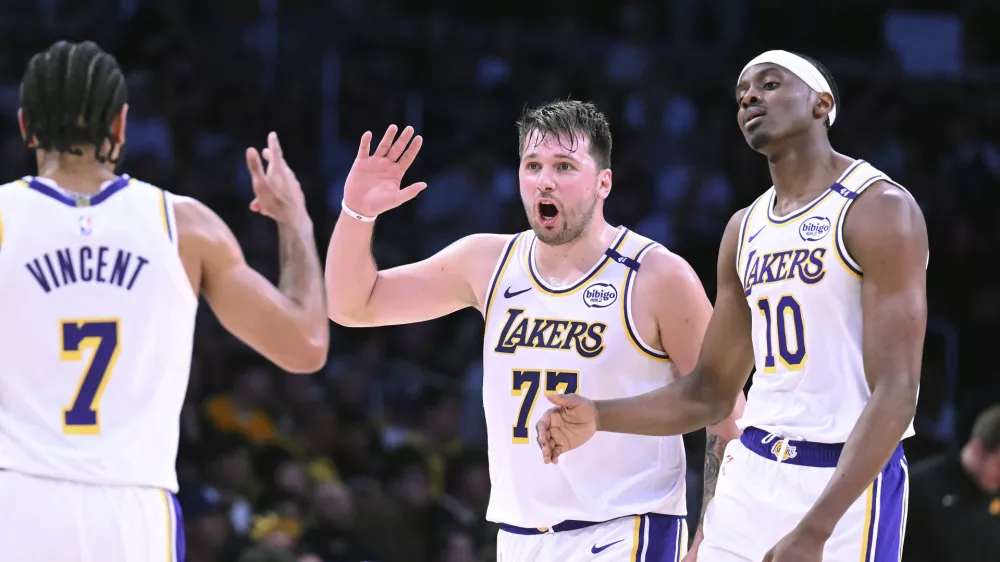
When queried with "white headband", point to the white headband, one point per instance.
{"points": [[799, 67]]}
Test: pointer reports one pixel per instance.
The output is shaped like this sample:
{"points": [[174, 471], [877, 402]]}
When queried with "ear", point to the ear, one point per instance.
{"points": [[823, 106], [604, 183], [118, 126], [23, 125]]}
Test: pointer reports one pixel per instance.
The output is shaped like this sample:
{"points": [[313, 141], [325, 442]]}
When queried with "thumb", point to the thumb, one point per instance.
{"points": [[410, 192], [564, 400]]}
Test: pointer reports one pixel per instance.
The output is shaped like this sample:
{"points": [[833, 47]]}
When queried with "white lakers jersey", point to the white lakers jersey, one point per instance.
{"points": [[804, 293], [96, 336], [578, 338]]}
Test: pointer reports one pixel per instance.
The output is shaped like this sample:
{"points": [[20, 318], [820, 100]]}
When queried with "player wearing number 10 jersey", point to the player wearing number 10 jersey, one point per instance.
{"points": [[99, 282], [572, 305], [821, 288]]}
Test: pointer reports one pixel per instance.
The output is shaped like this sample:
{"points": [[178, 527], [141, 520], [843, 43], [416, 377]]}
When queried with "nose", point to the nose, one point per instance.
{"points": [[546, 182], [752, 97]]}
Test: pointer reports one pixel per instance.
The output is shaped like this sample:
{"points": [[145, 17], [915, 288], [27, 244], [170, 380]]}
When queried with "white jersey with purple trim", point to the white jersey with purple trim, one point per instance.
{"points": [[804, 293], [575, 338], [96, 340]]}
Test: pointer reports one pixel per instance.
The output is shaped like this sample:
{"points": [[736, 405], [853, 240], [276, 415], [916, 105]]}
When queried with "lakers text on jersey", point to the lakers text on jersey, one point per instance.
{"points": [[580, 337]]}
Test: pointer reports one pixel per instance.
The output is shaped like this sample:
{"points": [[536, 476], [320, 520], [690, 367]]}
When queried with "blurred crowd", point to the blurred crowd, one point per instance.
{"points": [[381, 456]]}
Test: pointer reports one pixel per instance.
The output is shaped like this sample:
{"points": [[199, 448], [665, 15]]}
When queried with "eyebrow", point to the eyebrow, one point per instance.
{"points": [[768, 68], [565, 155]]}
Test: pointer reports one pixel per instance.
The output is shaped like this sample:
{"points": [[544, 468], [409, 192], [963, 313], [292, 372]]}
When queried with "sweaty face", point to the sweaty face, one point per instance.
{"points": [[774, 105], [559, 186]]}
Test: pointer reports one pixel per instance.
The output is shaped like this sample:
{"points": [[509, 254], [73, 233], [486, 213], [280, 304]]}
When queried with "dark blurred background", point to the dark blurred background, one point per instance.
{"points": [[381, 455]]}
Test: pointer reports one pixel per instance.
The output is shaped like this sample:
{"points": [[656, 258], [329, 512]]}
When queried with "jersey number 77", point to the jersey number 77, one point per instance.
{"points": [[101, 336], [525, 384]]}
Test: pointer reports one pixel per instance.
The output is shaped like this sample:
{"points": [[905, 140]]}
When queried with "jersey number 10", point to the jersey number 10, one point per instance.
{"points": [[787, 309], [526, 383], [101, 337]]}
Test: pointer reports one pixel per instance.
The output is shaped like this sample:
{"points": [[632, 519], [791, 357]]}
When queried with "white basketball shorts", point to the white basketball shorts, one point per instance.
{"points": [[767, 484], [46, 520]]}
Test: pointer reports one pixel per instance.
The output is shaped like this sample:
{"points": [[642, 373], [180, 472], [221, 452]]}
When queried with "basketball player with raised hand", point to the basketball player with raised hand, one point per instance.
{"points": [[574, 304], [822, 285], [101, 276]]}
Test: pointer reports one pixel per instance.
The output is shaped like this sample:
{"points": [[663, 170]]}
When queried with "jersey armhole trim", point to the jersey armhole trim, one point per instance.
{"points": [[843, 256], [168, 217], [744, 225], [626, 308], [498, 272]]}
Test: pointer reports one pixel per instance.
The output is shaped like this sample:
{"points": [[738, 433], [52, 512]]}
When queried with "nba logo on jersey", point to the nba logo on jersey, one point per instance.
{"points": [[86, 225]]}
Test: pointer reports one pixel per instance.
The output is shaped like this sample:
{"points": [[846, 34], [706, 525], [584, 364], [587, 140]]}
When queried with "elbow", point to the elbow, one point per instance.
{"points": [[718, 405], [343, 317], [309, 359]]}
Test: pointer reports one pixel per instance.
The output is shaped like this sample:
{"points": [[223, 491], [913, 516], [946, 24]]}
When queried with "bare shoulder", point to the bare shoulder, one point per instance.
{"points": [[197, 222], [477, 255], [885, 221], [664, 269], [883, 205]]}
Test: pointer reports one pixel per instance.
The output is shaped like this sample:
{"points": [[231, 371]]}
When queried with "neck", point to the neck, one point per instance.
{"points": [[81, 174], [581, 253], [807, 168]]}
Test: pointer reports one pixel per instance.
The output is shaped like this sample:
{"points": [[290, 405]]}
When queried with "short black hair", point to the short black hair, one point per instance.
{"points": [[566, 119], [70, 94], [825, 72]]}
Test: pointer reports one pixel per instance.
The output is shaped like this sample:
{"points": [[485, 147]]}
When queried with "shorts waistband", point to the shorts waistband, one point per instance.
{"points": [[800, 453], [571, 525]]}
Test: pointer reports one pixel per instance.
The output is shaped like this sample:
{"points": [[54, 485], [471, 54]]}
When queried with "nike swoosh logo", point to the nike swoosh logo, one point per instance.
{"points": [[507, 294], [598, 549], [749, 240]]}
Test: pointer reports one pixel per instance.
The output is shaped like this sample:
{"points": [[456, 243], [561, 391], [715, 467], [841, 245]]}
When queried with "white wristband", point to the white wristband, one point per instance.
{"points": [[355, 214]]}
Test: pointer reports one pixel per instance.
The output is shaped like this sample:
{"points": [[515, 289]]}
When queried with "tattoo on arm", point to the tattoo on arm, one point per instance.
{"points": [[714, 448], [301, 275]]}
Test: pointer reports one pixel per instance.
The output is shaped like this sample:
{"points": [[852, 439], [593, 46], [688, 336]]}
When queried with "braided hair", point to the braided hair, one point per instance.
{"points": [[70, 94]]}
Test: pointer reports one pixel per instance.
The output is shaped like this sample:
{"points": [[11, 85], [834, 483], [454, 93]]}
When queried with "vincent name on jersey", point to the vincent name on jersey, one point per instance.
{"points": [[802, 263], [586, 338], [86, 264]]}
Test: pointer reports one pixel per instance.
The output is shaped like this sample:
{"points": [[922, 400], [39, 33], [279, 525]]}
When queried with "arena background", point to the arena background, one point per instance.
{"points": [[381, 455]]}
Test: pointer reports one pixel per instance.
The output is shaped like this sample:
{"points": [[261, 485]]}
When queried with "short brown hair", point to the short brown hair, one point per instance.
{"points": [[566, 119], [987, 428]]}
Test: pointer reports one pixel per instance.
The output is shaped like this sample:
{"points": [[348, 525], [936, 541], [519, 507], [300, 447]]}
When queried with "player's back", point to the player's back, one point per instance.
{"points": [[95, 345], [577, 338], [804, 293]]}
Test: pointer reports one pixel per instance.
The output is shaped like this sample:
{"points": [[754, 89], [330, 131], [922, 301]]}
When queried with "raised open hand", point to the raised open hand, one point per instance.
{"points": [[567, 426], [278, 193], [373, 185]]}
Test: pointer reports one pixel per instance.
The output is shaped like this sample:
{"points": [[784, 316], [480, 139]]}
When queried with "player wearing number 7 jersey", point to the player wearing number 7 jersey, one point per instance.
{"points": [[822, 285], [572, 305], [100, 277]]}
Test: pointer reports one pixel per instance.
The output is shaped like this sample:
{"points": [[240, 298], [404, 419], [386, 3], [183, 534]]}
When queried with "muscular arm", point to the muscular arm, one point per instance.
{"points": [[683, 319], [886, 234], [711, 391], [287, 324], [361, 295]]}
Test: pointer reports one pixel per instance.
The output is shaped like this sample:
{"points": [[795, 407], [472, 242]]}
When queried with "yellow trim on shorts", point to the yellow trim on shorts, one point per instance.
{"points": [[170, 526]]}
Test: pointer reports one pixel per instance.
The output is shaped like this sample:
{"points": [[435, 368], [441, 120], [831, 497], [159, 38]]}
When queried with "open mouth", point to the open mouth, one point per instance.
{"points": [[547, 213]]}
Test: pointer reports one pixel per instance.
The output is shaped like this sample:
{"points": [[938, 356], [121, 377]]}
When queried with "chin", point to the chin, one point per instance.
{"points": [[759, 140]]}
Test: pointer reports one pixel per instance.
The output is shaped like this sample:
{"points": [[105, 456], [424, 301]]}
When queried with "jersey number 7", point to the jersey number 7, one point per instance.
{"points": [[82, 416], [526, 383]]}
